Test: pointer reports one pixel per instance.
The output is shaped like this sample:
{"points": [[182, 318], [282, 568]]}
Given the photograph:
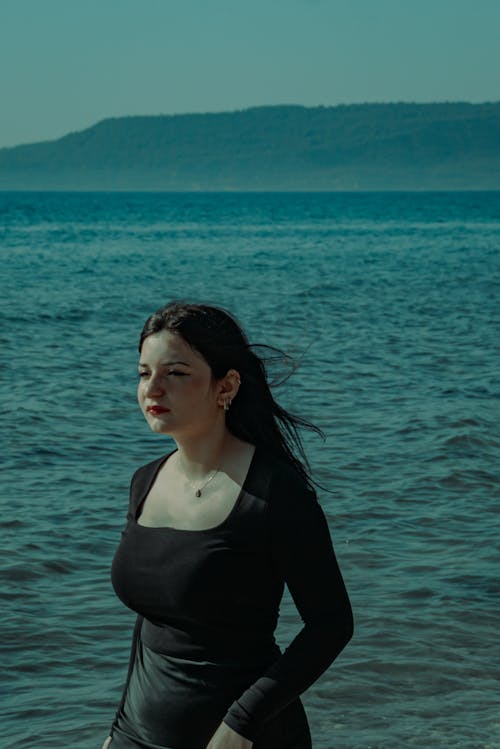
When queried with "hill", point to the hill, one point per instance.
{"points": [[348, 147]]}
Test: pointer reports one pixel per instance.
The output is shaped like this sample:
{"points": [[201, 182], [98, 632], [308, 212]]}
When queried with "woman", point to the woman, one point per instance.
{"points": [[214, 531]]}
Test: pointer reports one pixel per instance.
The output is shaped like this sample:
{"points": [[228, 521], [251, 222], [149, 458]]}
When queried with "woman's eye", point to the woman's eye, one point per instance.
{"points": [[143, 374]]}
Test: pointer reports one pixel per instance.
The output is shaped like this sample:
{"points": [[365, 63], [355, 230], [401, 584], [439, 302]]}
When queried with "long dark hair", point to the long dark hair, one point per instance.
{"points": [[254, 415]]}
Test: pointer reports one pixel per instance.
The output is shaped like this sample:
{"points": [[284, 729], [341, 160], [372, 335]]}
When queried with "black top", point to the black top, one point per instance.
{"points": [[215, 593]]}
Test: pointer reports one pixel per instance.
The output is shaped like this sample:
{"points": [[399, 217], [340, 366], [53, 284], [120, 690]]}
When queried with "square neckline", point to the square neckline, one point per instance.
{"points": [[232, 511]]}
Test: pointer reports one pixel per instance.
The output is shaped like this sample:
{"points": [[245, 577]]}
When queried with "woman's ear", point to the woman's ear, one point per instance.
{"points": [[228, 388]]}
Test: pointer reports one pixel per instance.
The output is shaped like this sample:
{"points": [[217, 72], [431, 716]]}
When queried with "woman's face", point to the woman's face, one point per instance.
{"points": [[176, 391]]}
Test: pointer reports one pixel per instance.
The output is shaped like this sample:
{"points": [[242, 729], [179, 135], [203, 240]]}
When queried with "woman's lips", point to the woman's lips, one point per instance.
{"points": [[157, 410]]}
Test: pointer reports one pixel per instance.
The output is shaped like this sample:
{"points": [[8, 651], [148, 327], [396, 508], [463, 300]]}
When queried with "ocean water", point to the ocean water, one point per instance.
{"points": [[391, 304]]}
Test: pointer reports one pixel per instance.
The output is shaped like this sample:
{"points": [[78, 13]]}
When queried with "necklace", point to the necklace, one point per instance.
{"points": [[199, 490]]}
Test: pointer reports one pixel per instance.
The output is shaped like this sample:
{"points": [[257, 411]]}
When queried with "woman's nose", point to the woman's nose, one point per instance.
{"points": [[155, 386]]}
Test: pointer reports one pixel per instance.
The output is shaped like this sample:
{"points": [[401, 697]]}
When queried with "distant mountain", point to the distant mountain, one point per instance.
{"points": [[352, 147]]}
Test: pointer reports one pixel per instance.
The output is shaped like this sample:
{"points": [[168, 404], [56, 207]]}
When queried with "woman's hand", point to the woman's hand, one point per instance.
{"points": [[107, 743], [226, 738]]}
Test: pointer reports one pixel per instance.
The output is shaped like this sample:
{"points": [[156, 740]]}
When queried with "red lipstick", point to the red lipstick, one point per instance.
{"points": [[157, 410]]}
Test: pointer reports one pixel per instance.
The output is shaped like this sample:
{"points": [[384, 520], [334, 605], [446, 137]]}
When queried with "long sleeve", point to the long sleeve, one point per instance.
{"points": [[302, 553], [133, 648]]}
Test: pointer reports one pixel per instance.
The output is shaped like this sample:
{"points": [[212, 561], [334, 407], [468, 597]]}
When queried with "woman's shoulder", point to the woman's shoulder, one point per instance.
{"points": [[284, 480], [294, 511], [142, 479], [148, 470]]}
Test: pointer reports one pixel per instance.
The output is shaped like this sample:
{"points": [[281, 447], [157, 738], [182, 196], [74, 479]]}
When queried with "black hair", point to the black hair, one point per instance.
{"points": [[254, 416]]}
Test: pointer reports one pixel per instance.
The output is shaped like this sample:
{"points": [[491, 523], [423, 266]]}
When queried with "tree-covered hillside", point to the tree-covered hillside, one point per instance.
{"points": [[367, 146]]}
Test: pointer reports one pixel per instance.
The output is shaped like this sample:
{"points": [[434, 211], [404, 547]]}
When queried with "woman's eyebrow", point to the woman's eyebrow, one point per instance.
{"points": [[166, 364]]}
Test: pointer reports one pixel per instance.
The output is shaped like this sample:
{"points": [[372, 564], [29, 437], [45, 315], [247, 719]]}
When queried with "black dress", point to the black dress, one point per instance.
{"points": [[203, 649]]}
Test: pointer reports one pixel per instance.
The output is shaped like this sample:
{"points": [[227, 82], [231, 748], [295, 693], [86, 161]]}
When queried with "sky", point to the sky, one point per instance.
{"points": [[67, 64]]}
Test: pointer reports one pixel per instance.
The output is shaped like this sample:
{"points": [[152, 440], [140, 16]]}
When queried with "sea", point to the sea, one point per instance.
{"points": [[387, 306]]}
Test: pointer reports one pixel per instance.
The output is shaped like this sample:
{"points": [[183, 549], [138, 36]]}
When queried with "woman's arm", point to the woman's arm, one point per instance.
{"points": [[303, 554], [133, 648], [226, 738]]}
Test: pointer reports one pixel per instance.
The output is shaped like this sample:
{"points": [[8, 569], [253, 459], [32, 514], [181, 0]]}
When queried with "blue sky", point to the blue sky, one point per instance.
{"points": [[66, 64]]}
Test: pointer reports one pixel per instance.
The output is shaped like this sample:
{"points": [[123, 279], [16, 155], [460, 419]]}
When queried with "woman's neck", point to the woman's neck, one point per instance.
{"points": [[196, 457]]}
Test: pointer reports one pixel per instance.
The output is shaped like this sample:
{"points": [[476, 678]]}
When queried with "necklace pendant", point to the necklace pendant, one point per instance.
{"points": [[198, 492]]}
